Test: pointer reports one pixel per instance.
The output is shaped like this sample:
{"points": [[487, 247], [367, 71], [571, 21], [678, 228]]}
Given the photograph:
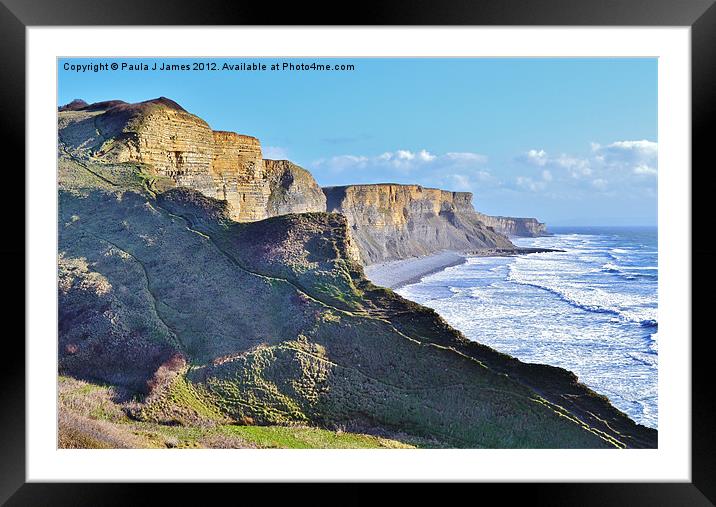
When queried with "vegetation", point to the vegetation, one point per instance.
{"points": [[181, 328], [90, 417]]}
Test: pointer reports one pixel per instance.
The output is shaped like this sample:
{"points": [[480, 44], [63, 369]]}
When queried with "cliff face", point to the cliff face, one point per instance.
{"points": [[390, 221], [275, 317], [293, 189], [174, 144], [175, 148], [239, 169], [510, 226]]}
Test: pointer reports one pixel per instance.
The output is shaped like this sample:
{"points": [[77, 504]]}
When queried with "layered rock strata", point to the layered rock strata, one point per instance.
{"points": [[510, 226], [390, 221], [239, 175], [293, 189], [170, 142]]}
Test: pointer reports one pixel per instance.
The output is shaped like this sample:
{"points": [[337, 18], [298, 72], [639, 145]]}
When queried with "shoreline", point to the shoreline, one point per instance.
{"points": [[399, 273]]}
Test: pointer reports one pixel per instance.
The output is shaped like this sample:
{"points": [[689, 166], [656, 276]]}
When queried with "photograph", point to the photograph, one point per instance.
{"points": [[460, 243], [357, 253]]}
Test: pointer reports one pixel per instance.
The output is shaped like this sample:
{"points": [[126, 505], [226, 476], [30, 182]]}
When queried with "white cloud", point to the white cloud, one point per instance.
{"points": [[645, 169], [528, 183], [643, 146], [405, 160], [577, 167], [537, 157], [462, 179], [275, 152], [620, 161], [402, 159], [467, 157], [451, 170], [627, 155], [342, 162], [426, 156]]}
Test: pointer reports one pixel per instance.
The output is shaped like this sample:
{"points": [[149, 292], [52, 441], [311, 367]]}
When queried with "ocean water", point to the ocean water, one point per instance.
{"points": [[591, 309]]}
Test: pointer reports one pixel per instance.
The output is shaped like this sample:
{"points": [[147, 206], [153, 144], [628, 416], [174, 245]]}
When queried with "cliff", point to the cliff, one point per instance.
{"points": [[390, 221], [168, 146], [293, 189], [282, 328], [510, 226], [238, 165], [170, 143], [201, 320]]}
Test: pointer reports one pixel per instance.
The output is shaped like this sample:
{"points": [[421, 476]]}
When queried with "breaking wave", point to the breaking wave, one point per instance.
{"points": [[591, 309]]}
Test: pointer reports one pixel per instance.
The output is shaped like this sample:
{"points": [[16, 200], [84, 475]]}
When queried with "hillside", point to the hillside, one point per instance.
{"points": [[197, 320]]}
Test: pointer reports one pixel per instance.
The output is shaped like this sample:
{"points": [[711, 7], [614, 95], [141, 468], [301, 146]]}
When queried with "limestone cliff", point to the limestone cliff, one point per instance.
{"points": [[510, 226], [197, 320], [293, 189], [171, 143], [390, 221], [169, 146], [238, 165]]}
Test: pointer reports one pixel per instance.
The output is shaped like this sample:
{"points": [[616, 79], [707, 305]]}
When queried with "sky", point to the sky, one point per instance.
{"points": [[568, 141]]}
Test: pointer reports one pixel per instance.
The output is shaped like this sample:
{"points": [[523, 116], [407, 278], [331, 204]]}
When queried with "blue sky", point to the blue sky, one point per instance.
{"points": [[569, 141]]}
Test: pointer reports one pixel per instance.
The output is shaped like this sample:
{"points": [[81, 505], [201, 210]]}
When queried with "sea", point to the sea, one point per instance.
{"points": [[591, 309]]}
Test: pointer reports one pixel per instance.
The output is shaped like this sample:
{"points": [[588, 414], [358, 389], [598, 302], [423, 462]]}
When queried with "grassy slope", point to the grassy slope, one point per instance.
{"points": [[271, 354], [274, 325], [270, 246], [91, 418]]}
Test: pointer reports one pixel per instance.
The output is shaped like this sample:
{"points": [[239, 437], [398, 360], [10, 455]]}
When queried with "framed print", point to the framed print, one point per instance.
{"points": [[454, 245]]}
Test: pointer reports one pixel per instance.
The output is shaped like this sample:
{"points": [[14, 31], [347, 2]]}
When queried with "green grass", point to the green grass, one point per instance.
{"points": [[287, 437], [90, 419], [89, 400], [261, 313], [180, 402]]}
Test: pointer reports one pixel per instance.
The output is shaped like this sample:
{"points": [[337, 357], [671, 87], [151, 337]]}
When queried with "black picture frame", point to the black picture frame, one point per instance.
{"points": [[700, 15]]}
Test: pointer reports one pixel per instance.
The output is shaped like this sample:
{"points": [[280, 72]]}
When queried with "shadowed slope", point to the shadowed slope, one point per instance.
{"points": [[207, 320], [268, 346]]}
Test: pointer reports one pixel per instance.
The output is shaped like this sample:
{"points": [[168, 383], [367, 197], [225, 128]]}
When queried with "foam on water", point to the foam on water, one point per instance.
{"points": [[633, 307], [580, 309]]}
